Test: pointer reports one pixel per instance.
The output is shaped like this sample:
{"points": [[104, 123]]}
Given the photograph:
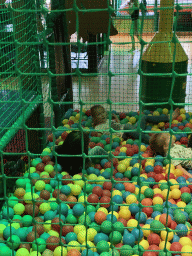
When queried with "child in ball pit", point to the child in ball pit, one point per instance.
{"points": [[160, 143], [101, 122]]}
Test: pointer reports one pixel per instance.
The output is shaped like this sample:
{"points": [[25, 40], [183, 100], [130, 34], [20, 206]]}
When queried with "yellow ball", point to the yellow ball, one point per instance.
{"points": [[143, 148], [168, 235], [182, 111], [131, 224], [121, 168], [143, 189], [53, 233], [181, 205], [186, 250], [72, 118], [157, 200], [76, 190], [92, 178], [60, 250], [103, 209], [163, 245], [175, 122], [22, 252], [185, 241], [165, 192], [39, 185], [183, 116], [82, 199], [161, 124], [65, 121], [14, 225], [79, 228], [67, 125], [174, 184], [100, 180], [81, 237], [115, 214], [123, 143], [126, 162], [144, 244], [91, 232], [44, 207], [157, 217], [131, 199], [47, 226], [123, 149], [28, 197], [19, 209], [136, 190], [165, 111], [116, 192], [125, 214], [2, 227], [157, 191], [32, 170], [178, 172], [146, 230], [90, 244], [132, 120], [73, 245], [176, 193]]}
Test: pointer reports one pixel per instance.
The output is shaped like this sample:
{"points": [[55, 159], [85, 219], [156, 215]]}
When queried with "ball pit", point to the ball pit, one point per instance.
{"points": [[52, 219]]}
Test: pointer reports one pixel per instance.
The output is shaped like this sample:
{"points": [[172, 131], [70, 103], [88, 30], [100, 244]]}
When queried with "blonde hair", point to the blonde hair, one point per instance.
{"points": [[157, 143], [99, 114]]}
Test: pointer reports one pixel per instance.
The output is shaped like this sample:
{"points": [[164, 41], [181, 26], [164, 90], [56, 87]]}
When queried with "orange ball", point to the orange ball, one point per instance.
{"points": [[73, 252], [100, 217], [129, 187], [19, 193], [165, 219], [71, 200], [147, 202]]}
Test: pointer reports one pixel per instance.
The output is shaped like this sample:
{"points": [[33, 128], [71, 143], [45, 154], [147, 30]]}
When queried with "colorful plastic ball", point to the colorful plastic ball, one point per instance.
{"points": [[78, 209], [141, 217], [118, 226], [128, 238], [74, 252], [39, 245], [179, 218], [186, 197], [60, 250], [131, 199], [5, 251], [40, 185], [112, 218], [22, 234], [100, 237], [27, 220], [70, 237], [126, 250], [153, 239], [181, 230], [165, 219], [106, 227], [8, 231], [124, 213], [86, 252], [134, 208], [22, 252], [186, 250], [156, 226], [13, 242], [7, 213], [185, 241], [102, 246], [19, 209], [138, 234], [115, 237]]}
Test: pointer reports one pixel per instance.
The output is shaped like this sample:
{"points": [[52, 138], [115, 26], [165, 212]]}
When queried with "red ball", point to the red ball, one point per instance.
{"points": [[56, 224], [135, 149], [108, 140], [107, 185], [45, 194], [148, 211], [93, 199], [115, 153], [184, 140], [181, 127], [32, 236], [129, 152], [107, 165], [173, 225], [98, 166], [100, 217], [154, 239], [53, 241], [100, 144], [106, 193], [122, 115], [66, 229], [56, 193], [175, 247], [50, 138], [98, 191], [185, 190], [123, 221], [179, 119], [165, 219], [154, 248], [104, 201], [158, 169], [151, 174], [40, 167], [159, 177], [64, 135], [171, 176], [66, 179], [92, 144], [46, 159], [149, 253], [39, 228]]}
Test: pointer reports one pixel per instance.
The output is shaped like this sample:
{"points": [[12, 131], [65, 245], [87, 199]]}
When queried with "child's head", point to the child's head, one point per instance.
{"points": [[99, 115], [73, 146], [159, 143]]}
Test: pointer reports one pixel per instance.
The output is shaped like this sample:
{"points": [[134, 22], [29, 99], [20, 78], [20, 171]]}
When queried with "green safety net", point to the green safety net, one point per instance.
{"points": [[77, 214]]}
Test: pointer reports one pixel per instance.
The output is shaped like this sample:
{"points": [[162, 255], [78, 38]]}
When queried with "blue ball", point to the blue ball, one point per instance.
{"points": [[66, 190], [148, 221], [158, 163], [122, 154], [92, 216], [134, 161], [169, 211], [138, 234], [119, 175], [29, 229], [128, 238], [106, 175], [78, 209], [8, 213], [141, 217], [134, 208], [112, 218], [181, 230], [120, 186], [96, 172], [99, 237], [87, 252], [135, 171], [54, 183], [9, 231], [44, 236], [49, 215], [149, 169], [90, 170], [175, 238], [117, 199], [159, 158], [103, 161], [22, 234], [63, 209], [155, 213], [115, 145], [125, 194], [113, 208], [181, 179], [70, 237], [151, 181]]}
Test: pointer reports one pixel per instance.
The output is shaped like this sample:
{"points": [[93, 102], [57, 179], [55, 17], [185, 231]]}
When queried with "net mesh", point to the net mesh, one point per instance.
{"points": [[54, 66]]}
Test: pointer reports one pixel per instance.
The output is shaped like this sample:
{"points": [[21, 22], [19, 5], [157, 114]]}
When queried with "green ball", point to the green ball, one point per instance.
{"points": [[176, 211], [88, 188], [103, 142], [190, 216], [106, 226], [127, 174], [187, 129], [84, 221], [71, 219], [17, 217], [107, 147], [5, 251], [186, 197], [180, 218], [54, 206], [27, 220], [105, 254], [90, 208], [158, 207], [163, 186], [140, 197], [39, 245], [48, 188], [134, 179], [115, 237], [160, 110], [118, 226], [149, 193], [13, 200], [188, 208], [95, 226], [165, 162], [21, 183], [138, 250], [130, 142], [117, 140], [102, 246], [13, 242], [126, 250], [156, 226]]}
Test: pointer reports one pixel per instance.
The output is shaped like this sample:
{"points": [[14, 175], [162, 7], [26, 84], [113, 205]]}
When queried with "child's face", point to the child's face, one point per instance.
{"points": [[101, 115]]}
